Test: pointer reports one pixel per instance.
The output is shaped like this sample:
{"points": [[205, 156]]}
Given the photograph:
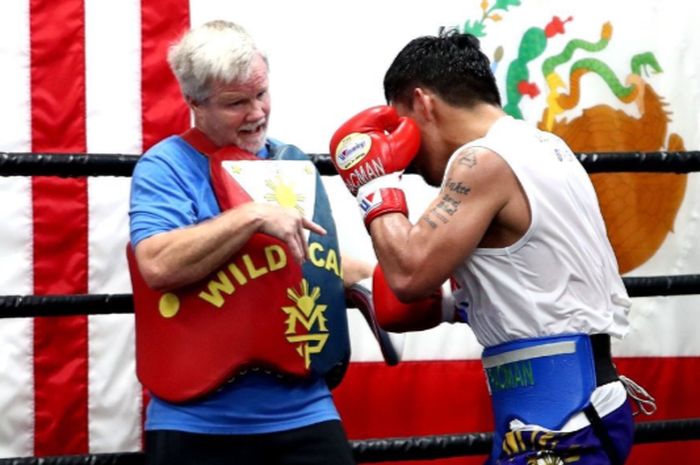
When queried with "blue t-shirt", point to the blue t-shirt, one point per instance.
{"points": [[171, 188]]}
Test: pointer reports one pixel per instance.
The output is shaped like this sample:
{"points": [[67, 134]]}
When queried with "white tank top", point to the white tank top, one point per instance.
{"points": [[562, 275]]}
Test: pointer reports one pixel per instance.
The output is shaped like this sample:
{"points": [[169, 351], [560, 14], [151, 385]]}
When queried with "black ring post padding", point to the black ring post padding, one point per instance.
{"points": [[65, 305], [86, 164], [400, 449]]}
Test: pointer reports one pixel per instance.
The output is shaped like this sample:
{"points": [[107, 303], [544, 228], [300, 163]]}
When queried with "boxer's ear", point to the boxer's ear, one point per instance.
{"points": [[424, 103]]}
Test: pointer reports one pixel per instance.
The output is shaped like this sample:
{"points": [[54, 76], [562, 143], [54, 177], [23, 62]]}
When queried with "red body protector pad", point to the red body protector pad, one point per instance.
{"points": [[260, 309]]}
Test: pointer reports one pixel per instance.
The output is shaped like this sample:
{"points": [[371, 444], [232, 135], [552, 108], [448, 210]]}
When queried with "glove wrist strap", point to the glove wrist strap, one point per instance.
{"points": [[383, 201]]}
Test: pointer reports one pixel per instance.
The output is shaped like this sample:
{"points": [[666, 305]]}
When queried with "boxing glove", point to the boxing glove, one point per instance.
{"points": [[396, 316], [370, 152]]}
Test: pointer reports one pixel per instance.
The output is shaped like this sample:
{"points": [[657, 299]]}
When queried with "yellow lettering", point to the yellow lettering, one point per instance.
{"points": [[238, 274], [332, 262], [215, 288], [313, 248], [276, 258], [253, 272]]}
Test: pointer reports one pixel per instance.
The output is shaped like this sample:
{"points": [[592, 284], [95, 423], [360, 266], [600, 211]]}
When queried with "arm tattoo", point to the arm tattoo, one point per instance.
{"points": [[457, 187], [446, 207], [429, 220], [469, 158], [448, 204]]}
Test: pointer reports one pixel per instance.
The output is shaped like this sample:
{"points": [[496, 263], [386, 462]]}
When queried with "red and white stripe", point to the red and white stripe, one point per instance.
{"points": [[83, 80]]}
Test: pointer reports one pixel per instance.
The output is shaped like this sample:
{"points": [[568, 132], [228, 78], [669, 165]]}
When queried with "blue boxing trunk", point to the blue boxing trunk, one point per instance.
{"points": [[544, 382]]}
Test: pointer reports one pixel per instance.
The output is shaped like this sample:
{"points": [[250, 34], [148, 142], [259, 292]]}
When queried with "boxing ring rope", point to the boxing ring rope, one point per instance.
{"points": [[365, 451], [25, 306], [398, 449], [83, 164]]}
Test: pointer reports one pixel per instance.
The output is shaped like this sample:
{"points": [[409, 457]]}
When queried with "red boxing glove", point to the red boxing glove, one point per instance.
{"points": [[370, 151], [396, 316]]}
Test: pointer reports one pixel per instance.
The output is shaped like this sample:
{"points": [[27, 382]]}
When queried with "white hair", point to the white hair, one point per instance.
{"points": [[215, 50]]}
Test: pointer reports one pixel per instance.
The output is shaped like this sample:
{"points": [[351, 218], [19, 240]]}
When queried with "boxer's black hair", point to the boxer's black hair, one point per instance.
{"points": [[451, 64]]}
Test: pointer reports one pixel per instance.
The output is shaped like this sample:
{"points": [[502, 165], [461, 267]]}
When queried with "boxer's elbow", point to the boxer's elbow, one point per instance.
{"points": [[410, 288], [409, 273]]}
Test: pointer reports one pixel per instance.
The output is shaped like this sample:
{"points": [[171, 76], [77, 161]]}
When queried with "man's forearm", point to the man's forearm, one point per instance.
{"points": [[401, 261], [176, 258]]}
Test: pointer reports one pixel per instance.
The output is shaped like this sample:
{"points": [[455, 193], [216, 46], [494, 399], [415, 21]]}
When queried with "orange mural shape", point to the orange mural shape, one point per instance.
{"points": [[639, 208]]}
